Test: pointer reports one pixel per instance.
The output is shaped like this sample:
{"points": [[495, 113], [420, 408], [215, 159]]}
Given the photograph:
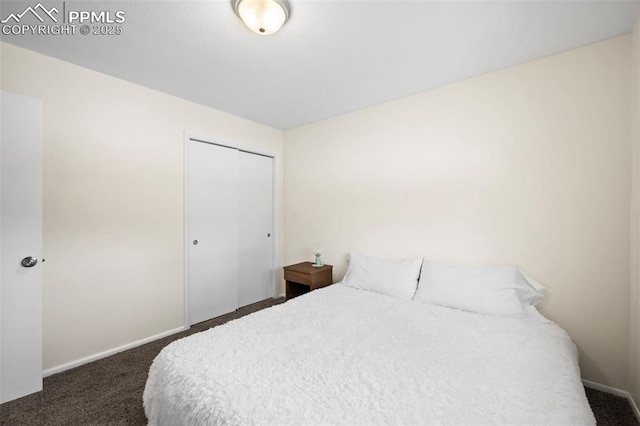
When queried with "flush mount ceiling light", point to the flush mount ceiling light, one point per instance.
{"points": [[262, 16]]}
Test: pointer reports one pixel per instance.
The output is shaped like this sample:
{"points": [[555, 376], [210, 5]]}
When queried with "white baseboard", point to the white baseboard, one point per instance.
{"points": [[614, 391], [605, 388], [95, 357]]}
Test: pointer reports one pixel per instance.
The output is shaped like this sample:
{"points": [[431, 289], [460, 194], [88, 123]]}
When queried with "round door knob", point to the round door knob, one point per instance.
{"points": [[268, 235], [195, 242], [29, 261]]}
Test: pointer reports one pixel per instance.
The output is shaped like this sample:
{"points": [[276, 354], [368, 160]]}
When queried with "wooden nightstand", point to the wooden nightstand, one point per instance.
{"points": [[304, 277]]}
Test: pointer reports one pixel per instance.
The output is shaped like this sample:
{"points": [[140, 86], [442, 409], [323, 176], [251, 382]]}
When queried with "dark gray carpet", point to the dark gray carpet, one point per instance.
{"points": [[610, 410], [109, 391]]}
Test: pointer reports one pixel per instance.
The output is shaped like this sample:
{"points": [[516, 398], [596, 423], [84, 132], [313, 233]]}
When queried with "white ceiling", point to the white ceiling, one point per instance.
{"points": [[332, 56]]}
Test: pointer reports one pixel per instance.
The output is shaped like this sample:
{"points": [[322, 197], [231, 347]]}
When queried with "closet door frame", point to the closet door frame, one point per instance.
{"points": [[188, 137]]}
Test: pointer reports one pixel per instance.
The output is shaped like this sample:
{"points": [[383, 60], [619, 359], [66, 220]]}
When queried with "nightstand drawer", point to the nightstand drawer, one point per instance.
{"points": [[297, 277]]}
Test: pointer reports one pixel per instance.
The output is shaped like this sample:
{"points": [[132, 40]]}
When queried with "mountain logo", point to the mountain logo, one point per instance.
{"points": [[38, 11]]}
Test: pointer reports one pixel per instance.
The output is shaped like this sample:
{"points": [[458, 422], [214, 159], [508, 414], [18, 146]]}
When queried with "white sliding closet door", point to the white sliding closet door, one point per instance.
{"points": [[256, 233], [212, 244], [229, 240]]}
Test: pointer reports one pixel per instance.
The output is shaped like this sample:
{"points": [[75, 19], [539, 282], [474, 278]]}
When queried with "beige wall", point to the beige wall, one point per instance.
{"points": [[113, 192], [528, 165], [634, 385]]}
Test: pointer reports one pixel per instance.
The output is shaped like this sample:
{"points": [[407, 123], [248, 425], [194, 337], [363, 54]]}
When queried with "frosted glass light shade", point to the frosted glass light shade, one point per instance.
{"points": [[262, 16]]}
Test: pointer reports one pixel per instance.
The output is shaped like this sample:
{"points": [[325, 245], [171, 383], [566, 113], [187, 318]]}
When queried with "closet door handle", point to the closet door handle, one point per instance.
{"points": [[29, 262], [195, 242]]}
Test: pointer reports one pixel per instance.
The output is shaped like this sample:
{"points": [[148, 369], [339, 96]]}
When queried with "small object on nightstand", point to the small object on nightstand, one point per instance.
{"points": [[317, 252], [305, 277]]}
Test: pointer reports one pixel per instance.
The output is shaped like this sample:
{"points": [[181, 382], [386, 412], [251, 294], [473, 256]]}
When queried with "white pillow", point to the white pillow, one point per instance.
{"points": [[494, 290], [394, 277]]}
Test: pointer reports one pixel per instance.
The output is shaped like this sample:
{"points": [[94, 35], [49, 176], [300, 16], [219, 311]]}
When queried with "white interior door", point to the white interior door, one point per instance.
{"points": [[212, 244], [256, 228], [21, 236]]}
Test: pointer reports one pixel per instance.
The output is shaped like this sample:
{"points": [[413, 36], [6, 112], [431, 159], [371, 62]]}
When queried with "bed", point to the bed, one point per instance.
{"points": [[347, 356]]}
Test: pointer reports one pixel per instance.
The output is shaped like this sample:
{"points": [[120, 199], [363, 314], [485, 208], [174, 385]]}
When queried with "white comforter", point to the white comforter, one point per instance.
{"points": [[346, 356]]}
